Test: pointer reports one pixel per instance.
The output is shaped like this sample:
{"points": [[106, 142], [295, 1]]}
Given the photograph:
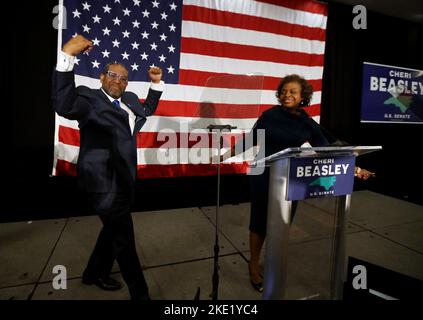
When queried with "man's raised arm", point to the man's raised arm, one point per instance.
{"points": [[64, 95]]}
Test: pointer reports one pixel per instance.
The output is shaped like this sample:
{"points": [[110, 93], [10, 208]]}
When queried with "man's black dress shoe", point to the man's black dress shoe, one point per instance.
{"points": [[105, 283]]}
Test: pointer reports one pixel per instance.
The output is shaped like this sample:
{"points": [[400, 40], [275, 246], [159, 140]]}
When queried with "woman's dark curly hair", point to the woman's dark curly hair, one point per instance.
{"points": [[306, 88]]}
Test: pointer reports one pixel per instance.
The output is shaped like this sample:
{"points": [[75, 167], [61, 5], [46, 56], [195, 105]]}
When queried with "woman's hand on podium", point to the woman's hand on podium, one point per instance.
{"points": [[363, 173]]}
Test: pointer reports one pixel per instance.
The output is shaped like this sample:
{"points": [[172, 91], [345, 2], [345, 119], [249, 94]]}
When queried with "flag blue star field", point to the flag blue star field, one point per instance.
{"points": [[203, 48], [139, 34]]}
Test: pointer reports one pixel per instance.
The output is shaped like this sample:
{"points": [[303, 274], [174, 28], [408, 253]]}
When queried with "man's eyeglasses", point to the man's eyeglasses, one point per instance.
{"points": [[114, 76]]}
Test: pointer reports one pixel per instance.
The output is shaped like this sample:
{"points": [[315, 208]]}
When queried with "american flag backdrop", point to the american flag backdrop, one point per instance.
{"points": [[191, 40]]}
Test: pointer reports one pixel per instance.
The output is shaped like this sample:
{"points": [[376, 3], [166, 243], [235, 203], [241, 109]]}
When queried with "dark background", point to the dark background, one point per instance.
{"points": [[30, 41]]}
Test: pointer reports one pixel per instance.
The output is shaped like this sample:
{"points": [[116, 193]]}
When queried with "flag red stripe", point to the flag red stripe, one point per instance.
{"points": [[238, 51], [69, 136], [65, 168], [313, 110], [199, 78], [242, 21], [188, 170], [217, 110], [308, 6]]}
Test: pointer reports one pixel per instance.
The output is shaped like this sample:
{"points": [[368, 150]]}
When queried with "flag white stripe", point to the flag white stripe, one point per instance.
{"points": [[66, 122], [67, 152], [200, 30], [264, 10], [239, 66], [185, 124], [168, 156]]}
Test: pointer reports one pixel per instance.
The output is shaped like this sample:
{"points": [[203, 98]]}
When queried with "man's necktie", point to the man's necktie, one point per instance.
{"points": [[116, 103]]}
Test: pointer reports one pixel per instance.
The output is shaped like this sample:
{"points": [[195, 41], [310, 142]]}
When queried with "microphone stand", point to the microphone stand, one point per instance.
{"points": [[215, 277]]}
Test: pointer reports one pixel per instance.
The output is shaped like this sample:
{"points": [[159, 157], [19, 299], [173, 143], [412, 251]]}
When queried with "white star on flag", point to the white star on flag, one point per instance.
{"points": [[116, 43], [135, 24], [105, 53], [95, 64], [126, 12], [170, 69], [125, 56], [106, 31], [96, 19], [171, 48], [86, 6], [116, 21], [76, 13]]}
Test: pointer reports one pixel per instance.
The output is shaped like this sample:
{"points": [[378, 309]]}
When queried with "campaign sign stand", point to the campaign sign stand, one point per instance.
{"points": [[298, 174]]}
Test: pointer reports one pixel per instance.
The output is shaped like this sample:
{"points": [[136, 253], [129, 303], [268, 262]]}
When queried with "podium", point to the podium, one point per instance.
{"points": [[298, 174]]}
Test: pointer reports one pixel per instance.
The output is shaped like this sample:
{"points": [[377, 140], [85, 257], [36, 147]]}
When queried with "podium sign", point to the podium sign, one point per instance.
{"points": [[311, 177], [301, 173]]}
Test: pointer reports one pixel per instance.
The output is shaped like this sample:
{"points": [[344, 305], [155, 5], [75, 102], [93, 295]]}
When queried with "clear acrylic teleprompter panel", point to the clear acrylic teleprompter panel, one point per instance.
{"points": [[229, 100], [311, 243]]}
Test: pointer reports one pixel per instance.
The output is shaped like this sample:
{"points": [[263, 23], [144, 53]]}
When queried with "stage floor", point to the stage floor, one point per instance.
{"points": [[176, 249]]}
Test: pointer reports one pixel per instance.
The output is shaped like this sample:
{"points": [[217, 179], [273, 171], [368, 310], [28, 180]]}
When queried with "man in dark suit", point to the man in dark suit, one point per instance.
{"points": [[108, 119]]}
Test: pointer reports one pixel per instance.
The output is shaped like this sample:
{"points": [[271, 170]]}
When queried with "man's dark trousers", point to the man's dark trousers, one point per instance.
{"points": [[116, 241]]}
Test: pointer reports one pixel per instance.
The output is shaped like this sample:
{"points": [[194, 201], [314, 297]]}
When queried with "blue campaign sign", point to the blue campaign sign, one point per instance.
{"points": [[391, 94], [312, 177]]}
